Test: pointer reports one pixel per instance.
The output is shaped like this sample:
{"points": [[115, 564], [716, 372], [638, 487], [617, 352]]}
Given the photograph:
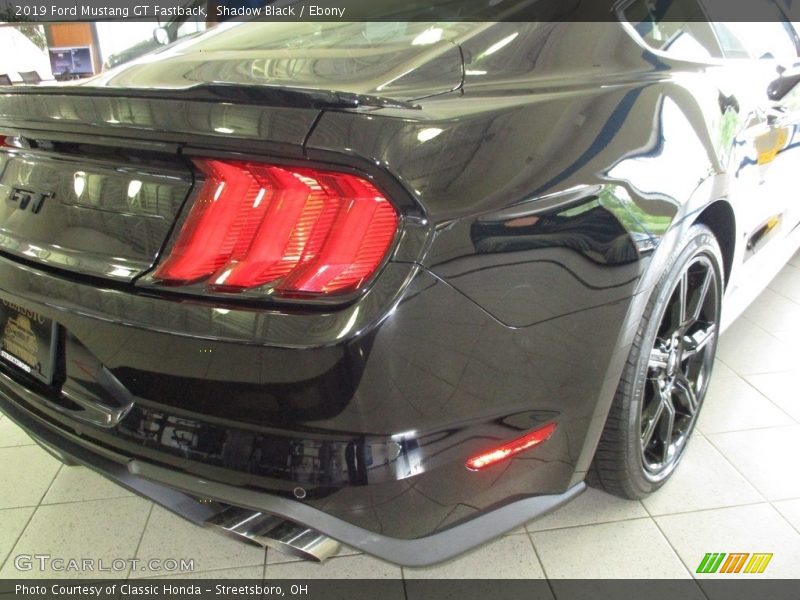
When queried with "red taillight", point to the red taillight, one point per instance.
{"points": [[509, 449], [300, 230]]}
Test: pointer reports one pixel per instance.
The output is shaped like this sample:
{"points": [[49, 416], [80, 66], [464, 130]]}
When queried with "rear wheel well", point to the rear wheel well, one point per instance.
{"points": [[719, 218]]}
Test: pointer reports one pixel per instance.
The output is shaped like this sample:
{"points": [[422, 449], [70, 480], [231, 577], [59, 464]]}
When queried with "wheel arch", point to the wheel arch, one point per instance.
{"points": [[720, 219]]}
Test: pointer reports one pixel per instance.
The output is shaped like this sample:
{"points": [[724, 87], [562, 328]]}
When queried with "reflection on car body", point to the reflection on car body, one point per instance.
{"points": [[400, 284]]}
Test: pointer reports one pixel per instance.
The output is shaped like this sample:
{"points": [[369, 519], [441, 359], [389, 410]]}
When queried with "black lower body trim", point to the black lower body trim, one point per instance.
{"points": [[186, 495]]}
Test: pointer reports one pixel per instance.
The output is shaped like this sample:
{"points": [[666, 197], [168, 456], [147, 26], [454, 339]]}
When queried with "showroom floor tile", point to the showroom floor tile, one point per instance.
{"points": [[510, 557], [256, 572], [790, 509], [76, 485], [705, 479], [12, 522], [755, 528], [11, 435], [734, 492], [774, 313], [781, 389], [338, 567], [733, 403], [749, 350], [766, 457], [634, 549], [104, 530], [26, 473]]}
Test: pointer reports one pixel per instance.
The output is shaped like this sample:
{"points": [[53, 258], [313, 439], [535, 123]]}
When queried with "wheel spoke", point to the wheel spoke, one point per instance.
{"points": [[701, 294], [695, 343], [685, 388], [670, 417], [647, 436], [683, 297]]}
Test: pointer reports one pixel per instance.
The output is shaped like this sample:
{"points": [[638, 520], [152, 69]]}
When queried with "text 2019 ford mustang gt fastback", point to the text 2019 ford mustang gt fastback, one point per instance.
{"points": [[399, 285]]}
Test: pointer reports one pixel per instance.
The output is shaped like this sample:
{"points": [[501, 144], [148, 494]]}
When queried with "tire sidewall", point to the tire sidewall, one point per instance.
{"points": [[698, 241]]}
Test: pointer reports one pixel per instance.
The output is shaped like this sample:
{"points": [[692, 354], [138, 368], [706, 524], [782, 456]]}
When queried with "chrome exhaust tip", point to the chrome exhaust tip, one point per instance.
{"points": [[274, 532]]}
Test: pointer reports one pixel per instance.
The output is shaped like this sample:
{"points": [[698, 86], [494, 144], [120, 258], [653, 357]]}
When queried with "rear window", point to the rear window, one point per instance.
{"points": [[286, 36], [774, 40], [678, 28]]}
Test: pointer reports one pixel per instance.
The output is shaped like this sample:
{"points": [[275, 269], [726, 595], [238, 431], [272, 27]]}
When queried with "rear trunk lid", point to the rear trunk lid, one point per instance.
{"points": [[94, 180], [74, 209], [94, 184]]}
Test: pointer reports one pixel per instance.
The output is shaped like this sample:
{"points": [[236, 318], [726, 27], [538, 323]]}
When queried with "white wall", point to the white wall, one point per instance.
{"points": [[115, 37], [18, 53]]}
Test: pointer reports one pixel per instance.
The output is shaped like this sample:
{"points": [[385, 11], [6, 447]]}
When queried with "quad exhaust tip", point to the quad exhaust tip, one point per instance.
{"points": [[274, 532]]}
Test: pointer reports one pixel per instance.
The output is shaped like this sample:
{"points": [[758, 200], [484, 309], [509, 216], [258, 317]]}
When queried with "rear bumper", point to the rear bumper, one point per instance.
{"points": [[355, 422], [188, 496]]}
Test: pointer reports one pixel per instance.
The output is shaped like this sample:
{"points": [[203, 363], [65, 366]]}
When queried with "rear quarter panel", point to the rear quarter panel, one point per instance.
{"points": [[559, 181]]}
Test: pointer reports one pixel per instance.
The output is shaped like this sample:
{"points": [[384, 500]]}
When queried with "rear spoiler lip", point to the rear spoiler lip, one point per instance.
{"points": [[263, 95]]}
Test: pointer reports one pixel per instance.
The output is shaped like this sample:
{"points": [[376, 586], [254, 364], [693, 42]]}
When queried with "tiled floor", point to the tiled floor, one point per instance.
{"points": [[737, 490]]}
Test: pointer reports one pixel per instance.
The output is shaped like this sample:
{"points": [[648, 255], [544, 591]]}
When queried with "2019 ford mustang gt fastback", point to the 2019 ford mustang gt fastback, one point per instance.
{"points": [[400, 285]]}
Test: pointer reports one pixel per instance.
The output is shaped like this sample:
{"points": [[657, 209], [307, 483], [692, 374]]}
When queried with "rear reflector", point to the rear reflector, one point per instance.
{"points": [[303, 231], [509, 449]]}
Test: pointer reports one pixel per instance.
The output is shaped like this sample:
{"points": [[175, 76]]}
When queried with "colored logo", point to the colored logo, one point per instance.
{"points": [[742, 562]]}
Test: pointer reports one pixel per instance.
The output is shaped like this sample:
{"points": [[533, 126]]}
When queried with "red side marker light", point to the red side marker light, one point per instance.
{"points": [[509, 449]]}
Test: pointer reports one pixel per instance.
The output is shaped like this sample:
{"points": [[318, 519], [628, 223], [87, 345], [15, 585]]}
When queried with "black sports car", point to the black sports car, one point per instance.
{"points": [[401, 285]]}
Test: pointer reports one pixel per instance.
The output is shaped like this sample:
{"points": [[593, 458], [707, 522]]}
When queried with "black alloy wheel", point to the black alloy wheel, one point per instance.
{"points": [[679, 367], [667, 373]]}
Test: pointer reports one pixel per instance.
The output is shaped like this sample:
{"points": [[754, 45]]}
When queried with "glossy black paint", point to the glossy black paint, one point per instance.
{"points": [[278, 418], [542, 191], [380, 59], [85, 209]]}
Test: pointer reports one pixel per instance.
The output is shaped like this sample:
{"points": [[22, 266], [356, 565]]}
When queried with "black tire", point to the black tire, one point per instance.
{"points": [[666, 375]]}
